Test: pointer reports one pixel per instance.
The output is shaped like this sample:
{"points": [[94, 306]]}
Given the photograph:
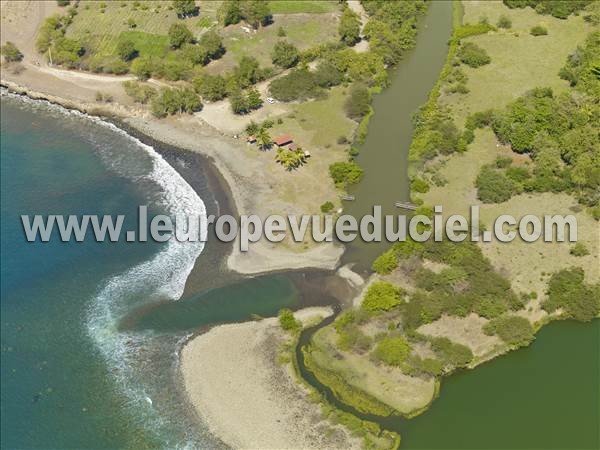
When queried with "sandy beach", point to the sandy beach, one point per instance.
{"points": [[257, 185], [246, 397]]}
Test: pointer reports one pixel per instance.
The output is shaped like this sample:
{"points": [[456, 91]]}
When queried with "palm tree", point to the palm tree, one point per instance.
{"points": [[264, 139]]}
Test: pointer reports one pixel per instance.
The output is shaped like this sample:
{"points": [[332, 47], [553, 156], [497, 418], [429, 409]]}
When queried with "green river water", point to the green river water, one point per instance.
{"points": [[545, 396], [384, 155]]}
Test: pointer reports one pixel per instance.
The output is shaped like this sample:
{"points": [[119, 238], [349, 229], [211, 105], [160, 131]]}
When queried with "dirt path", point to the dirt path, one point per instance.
{"points": [[20, 21], [356, 6]]}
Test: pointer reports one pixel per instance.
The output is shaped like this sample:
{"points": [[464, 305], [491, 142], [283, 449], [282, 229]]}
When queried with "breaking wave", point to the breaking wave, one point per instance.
{"points": [[131, 357]]}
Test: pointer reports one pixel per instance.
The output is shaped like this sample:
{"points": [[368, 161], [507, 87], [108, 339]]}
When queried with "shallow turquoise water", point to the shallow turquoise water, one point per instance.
{"points": [[90, 331], [55, 389]]}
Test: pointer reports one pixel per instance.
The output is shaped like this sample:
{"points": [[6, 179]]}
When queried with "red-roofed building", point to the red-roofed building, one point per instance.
{"points": [[283, 140]]}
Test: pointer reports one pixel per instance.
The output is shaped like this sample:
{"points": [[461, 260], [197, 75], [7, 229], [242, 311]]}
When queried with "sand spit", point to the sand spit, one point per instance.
{"points": [[246, 397]]}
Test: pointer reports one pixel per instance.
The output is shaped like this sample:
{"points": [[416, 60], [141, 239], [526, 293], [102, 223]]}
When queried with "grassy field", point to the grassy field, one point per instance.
{"points": [[520, 62], [304, 122], [101, 25], [303, 6], [304, 31]]}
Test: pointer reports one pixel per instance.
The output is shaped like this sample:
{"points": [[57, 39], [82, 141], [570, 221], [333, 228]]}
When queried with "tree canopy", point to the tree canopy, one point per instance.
{"points": [[349, 27], [285, 55], [185, 8], [179, 34]]}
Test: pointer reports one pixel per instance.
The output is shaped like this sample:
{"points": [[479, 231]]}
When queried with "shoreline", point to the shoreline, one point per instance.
{"points": [[223, 272], [242, 193], [283, 414]]}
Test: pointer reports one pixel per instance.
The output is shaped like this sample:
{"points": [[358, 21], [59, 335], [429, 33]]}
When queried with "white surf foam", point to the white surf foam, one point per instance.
{"points": [[163, 276]]}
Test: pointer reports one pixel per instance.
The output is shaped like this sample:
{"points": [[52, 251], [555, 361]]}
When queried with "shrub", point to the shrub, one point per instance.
{"points": [[243, 103], [452, 354], [358, 103], [428, 366], [51, 29], [142, 68], [285, 55], [579, 249], [472, 55], [469, 29], [351, 338], [253, 99], [480, 119], [385, 263], [393, 351], [67, 51], [256, 13], [327, 207], [174, 101], [281, 32], [382, 296], [504, 22], [514, 330], [493, 186], [502, 162], [349, 27], [103, 97], [185, 8], [139, 92], [581, 69], [287, 321], [567, 290], [419, 185], [212, 43], [195, 54], [248, 72], [327, 74], [538, 30], [299, 84], [126, 50], [173, 70], [518, 174], [179, 34], [557, 8], [10, 52], [345, 173]]}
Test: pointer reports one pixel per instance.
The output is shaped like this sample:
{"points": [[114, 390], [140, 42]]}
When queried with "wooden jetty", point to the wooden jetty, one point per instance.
{"points": [[406, 205]]}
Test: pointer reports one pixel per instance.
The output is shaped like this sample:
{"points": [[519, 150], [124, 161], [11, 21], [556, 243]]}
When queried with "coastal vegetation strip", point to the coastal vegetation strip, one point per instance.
{"points": [[401, 327]]}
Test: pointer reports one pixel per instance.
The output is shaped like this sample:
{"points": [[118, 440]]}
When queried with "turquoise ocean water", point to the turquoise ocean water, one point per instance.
{"points": [[70, 377]]}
